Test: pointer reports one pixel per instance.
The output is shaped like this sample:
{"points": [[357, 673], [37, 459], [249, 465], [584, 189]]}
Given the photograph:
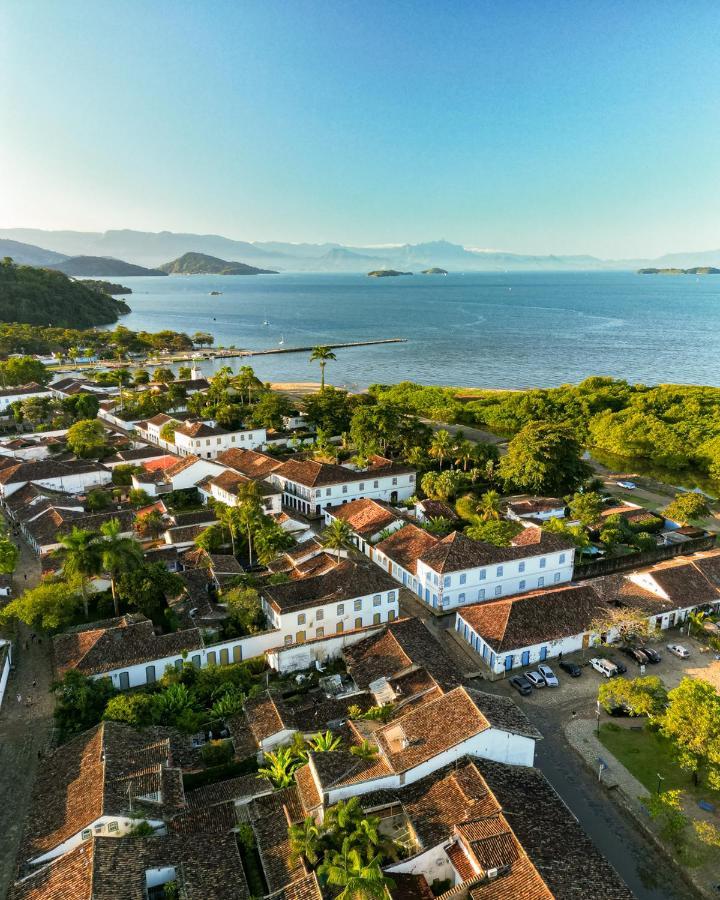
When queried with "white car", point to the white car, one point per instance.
{"points": [[628, 485], [548, 676], [604, 667], [535, 679], [679, 650]]}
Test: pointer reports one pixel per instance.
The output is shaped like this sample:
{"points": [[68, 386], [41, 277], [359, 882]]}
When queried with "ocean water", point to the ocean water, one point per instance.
{"points": [[510, 330]]}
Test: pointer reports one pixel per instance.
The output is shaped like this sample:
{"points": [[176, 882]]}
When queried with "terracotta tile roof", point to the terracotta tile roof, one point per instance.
{"points": [[684, 582], [69, 877], [504, 714], [270, 817], [437, 509], [636, 515], [346, 581], [430, 729], [129, 456], [160, 464], [199, 429], [551, 836], [401, 645], [310, 473], [93, 775], [522, 880], [406, 545], [366, 517], [220, 818], [410, 887], [47, 469], [264, 716], [535, 617], [244, 787], [456, 551], [532, 506], [104, 649], [306, 888], [251, 463], [310, 796]]}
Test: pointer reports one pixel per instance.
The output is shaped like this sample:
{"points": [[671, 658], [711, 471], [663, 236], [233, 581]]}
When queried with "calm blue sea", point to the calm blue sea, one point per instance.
{"points": [[486, 330]]}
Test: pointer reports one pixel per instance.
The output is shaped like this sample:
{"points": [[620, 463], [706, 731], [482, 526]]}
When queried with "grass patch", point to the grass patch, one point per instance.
{"points": [[645, 754]]}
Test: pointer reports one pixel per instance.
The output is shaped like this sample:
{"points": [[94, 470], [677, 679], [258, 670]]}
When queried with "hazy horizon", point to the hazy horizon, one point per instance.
{"points": [[560, 128]]}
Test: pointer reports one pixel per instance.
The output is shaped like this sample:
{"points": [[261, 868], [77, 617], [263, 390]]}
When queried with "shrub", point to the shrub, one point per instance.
{"points": [[217, 753]]}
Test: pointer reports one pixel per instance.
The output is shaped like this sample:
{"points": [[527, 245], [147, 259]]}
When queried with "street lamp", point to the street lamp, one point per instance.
{"points": [[660, 779], [597, 715]]}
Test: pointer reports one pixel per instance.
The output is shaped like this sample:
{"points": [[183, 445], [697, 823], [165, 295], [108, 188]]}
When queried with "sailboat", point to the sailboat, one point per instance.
{"points": [[265, 320], [282, 340]]}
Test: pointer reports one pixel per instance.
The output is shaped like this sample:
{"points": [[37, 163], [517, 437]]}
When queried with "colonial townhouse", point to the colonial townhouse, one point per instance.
{"points": [[227, 487], [348, 596], [183, 474], [136, 456], [207, 440], [8, 396], [250, 463], [399, 553], [97, 784], [311, 487], [368, 519], [535, 509], [458, 571], [72, 476], [520, 631]]}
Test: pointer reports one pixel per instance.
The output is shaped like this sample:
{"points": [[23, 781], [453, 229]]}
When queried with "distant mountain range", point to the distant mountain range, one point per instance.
{"points": [[152, 249]]}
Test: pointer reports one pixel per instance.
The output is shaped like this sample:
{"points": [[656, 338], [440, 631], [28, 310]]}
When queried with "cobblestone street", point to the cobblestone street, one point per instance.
{"points": [[24, 726]]}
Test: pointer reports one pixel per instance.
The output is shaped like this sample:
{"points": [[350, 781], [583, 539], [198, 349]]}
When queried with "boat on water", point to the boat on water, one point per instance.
{"points": [[215, 293], [282, 340]]}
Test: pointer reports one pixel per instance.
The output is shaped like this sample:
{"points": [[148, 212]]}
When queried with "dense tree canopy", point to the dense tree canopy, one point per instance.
{"points": [[544, 459]]}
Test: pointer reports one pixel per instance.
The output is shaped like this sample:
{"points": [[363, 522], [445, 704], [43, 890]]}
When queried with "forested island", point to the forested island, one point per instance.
{"points": [[696, 270], [386, 273], [202, 264], [434, 271], [100, 265], [106, 287], [45, 297]]}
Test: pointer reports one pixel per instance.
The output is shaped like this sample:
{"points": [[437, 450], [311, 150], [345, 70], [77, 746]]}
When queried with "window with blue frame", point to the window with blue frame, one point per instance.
{"points": [[508, 663], [543, 653], [525, 658], [446, 581], [463, 578], [521, 567]]}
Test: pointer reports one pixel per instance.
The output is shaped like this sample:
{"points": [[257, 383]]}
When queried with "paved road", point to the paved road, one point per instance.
{"points": [[472, 434], [645, 870], [24, 730]]}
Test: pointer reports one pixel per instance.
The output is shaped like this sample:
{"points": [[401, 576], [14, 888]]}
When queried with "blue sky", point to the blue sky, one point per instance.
{"points": [[541, 126]]}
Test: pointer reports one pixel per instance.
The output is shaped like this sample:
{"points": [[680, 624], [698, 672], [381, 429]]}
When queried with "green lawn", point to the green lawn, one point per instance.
{"points": [[646, 753]]}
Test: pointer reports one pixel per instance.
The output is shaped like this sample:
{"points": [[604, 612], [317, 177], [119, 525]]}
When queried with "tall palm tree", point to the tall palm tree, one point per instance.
{"points": [[119, 554], [441, 446], [463, 453], [305, 841], [151, 523], [249, 514], [82, 557], [360, 880], [489, 506], [337, 536], [323, 355]]}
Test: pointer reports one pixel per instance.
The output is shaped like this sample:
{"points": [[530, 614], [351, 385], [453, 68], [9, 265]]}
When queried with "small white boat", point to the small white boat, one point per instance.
{"points": [[266, 322], [281, 341]]}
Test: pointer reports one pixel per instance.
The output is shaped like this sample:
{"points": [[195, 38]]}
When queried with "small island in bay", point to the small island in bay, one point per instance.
{"points": [[434, 271], [386, 273], [697, 270], [82, 266], [106, 287], [202, 264]]}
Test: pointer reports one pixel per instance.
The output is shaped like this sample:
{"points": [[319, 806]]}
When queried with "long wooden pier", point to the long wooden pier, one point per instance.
{"points": [[309, 349]]}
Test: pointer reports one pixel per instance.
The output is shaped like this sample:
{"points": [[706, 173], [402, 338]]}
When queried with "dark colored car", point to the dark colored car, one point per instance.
{"points": [[652, 655], [521, 685], [573, 669], [637, 656], [621, 667]]}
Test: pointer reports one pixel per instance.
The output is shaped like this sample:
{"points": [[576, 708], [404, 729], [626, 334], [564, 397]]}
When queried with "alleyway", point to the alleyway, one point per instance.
{"points": [[24, 729]]}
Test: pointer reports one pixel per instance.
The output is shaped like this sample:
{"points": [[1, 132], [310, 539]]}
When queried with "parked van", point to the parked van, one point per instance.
{"points": [[604, 667]]}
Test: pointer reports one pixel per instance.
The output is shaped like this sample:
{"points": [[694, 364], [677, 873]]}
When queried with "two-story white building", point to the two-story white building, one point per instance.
{"points": [[184, 474], [207, 440], [227, 487], [8, 396], [311, 487], [368, 519], [349, 596]]}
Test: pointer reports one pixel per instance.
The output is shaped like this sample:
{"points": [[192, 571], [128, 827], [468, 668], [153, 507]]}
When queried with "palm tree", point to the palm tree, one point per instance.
{"points": [[230, 518], [441, 446], [249, 514], [325, 743], [464, 451], [119, 554], [82, 557], [365, 750], [305, 841], [337, 536], [696, 620], [151, 523], [323, 355], [281, 768], [359, 880], [489, 506]]}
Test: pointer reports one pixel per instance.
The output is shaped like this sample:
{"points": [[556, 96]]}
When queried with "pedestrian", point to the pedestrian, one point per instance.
{"points": [[19, 698], [34, 682], [26, 576]]}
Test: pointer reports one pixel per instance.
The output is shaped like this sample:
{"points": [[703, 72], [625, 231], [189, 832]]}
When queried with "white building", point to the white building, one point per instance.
{"points": [[349, 596], [184, 474], [311, 487], [535, 508], [8, 396], [227, 487], [207, 440], [368, 519], [70, 476]]}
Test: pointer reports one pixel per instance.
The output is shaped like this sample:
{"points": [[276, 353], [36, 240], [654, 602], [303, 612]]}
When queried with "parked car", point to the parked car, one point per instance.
{"points": [[535, 679], [604, 667], [636, 655], [628, 485], [573, 669], [521, 685], [548, 676], [679, 650], [620, 666], [651, 654]]}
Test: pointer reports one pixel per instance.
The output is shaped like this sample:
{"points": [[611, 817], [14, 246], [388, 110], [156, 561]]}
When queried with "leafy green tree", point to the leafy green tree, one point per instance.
{"points": [[172, 704], [269, 411], [442, 485], [497, 532], [244, 609], [212, 539], [49, 606], [359, 880], [98, 500], [163, 375], [374, 428], [686, 507], [138, 497], [576, 533], [184, 373], [21, 370], [247, 383], [644, 541], [337, 536], [325, 742], [122, 474], [692, 723], [147, 588], [280, 767], [119, 554], [203, 339], [621, 622], [586, 507], [467, 507], [544, 459], [306, 841], [80, 702], [611, 538], [464, 452], [270, 540], [489, 506], [82, 558], [330, 410], [87, 438], [167, 432], [364, 750], [141, 376], [9, 554], [322, 355], [136, 709], [150, 524], [666, 809], [645, 696]]}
